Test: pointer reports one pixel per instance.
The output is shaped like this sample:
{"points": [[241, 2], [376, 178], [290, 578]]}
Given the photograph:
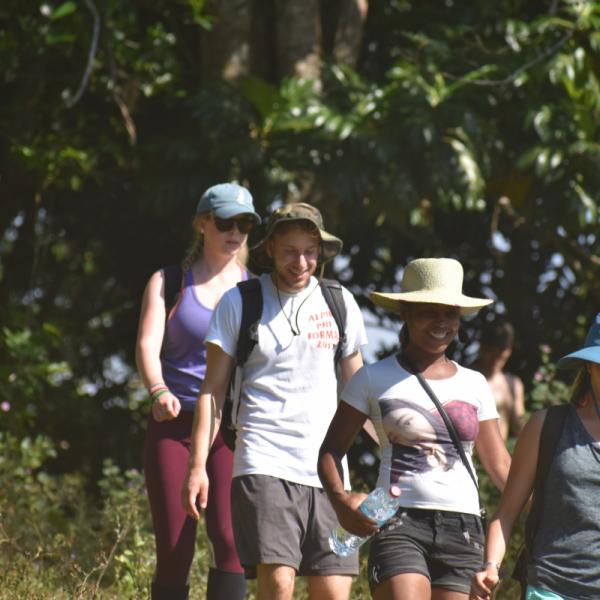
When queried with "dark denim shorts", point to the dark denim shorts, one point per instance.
{"points": [[444, 546]]}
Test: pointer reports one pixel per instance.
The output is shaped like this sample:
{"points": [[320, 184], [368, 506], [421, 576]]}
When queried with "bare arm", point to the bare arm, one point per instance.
{"points": [[344, 427], [516, 493], [492, 452], [348, 366], [207, 419], [151, 331]]}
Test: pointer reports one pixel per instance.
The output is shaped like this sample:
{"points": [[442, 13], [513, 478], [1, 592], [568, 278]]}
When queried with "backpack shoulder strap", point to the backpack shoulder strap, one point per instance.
{"points": [[252, 306], [173, 275], [332, 292], [549, 437]]}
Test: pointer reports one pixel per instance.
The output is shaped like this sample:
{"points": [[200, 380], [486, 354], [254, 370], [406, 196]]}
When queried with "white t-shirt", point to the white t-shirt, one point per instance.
{"points": [[416, 449], [289, 388]]}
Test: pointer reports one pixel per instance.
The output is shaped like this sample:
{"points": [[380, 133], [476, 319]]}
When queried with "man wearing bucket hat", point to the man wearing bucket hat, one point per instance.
{"points": [[282, 517], [557, 456], [171, 357], [428, 412]]}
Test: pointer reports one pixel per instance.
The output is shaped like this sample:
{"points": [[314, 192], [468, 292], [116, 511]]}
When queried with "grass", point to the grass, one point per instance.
{"points": [[57, 542]]}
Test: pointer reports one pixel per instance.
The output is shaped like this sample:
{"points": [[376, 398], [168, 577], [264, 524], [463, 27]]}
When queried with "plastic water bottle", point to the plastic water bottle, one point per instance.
{"points": [[380, 505]]}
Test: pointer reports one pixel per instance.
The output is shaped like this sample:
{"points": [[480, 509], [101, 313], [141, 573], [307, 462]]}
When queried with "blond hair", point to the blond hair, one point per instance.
{"points": [[196, 248]]}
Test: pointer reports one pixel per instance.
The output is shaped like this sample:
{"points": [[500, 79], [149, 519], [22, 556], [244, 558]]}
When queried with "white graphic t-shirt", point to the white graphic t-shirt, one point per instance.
{"points": [[417, 451], [289, 389]]}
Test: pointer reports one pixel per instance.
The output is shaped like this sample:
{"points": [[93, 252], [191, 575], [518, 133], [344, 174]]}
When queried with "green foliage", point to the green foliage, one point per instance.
{"points": [[466, 129], [58, 541], [26, 373], [547, 388], [39, 518], [463, 132]]}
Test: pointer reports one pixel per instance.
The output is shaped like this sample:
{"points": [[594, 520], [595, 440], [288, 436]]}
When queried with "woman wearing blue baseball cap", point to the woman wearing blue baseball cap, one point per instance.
{"points": [[171, 357], [557, 456]]}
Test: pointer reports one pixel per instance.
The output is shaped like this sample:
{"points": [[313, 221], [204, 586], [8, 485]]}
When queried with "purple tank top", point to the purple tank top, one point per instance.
{"points": [[184, 353]]}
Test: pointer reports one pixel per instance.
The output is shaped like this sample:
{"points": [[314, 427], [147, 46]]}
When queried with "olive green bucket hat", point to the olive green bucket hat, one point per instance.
{"points": [[298, 211]]}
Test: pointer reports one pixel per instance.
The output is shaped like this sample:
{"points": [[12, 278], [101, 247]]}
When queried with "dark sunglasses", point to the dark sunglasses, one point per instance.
{"points": [[244, 225]]}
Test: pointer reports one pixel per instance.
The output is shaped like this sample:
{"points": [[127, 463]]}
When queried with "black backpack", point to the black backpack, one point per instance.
{"points": [[252, 306], [550, 435]]}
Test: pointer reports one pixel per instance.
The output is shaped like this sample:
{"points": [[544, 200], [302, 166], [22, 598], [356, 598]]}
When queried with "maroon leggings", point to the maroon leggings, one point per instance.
{"points": [[166, 454]]}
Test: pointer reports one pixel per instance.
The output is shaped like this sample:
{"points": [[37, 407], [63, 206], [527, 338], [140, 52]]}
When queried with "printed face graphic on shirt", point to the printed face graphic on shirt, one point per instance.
{"points": [[420, 440]]}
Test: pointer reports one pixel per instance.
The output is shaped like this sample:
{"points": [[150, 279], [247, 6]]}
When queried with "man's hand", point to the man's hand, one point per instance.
{"points": [[194, 492]]}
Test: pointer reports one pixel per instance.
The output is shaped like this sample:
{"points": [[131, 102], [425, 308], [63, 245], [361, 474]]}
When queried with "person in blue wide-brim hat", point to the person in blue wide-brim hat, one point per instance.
{"points": [[563, 539], [590, 351]]}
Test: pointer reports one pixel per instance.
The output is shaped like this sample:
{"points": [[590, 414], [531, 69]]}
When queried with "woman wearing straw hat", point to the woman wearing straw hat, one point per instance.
{"points": [[434, 544], [564, 552]]}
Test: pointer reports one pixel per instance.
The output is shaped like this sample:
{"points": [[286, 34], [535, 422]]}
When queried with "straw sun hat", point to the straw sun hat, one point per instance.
{"points": [[431, 280]]}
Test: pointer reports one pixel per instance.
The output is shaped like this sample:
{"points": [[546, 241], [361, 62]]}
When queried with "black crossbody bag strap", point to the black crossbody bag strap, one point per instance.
{"points": [[449, 425]]}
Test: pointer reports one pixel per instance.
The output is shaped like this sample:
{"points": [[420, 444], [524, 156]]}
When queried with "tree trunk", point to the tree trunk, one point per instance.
{"points": [[228, 52], [299, 38], [348, 36]]}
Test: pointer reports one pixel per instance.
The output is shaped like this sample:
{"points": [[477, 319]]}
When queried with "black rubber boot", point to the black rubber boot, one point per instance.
{"points": [[168, 592], [223, 585]]}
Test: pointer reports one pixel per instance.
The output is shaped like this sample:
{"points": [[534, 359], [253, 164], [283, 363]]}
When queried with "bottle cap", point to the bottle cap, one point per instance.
{"points": [[395, 491]]}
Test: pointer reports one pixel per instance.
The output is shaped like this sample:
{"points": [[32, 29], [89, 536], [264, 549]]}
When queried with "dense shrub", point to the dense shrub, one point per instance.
{"points": [[58, 541]]}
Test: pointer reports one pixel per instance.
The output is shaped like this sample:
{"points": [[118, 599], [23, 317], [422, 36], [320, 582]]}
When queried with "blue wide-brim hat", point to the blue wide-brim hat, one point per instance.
{"points": [[590, 351]]}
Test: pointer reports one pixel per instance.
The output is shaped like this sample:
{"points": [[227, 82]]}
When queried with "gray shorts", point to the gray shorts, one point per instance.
{"points": [[280, 522]]}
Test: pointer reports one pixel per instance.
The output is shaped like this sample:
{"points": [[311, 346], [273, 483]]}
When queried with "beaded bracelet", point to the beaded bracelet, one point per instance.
{"points": [[157, 386], [156, 395]]}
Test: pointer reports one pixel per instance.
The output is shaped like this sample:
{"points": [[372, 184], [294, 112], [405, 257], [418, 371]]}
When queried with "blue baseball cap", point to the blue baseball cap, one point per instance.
{"points": [[227, 200], [590, 351]]}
